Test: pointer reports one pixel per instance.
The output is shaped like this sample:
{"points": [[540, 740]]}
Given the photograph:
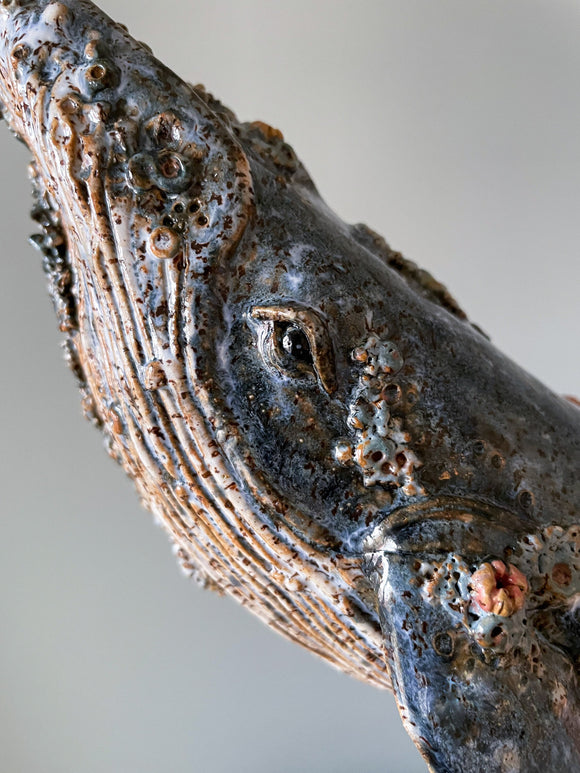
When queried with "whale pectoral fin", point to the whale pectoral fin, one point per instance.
{"points": [[470, 701]]}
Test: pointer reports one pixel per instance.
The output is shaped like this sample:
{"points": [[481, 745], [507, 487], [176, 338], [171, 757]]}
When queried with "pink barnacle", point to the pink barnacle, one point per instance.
{"points": [[499, 589]]}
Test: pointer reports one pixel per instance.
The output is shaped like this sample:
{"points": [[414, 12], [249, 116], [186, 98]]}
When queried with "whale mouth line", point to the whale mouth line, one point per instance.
{"points": [[443, 525]]}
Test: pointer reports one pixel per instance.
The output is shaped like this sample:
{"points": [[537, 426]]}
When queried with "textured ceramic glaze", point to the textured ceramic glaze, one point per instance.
{"points": [[312, 418]]}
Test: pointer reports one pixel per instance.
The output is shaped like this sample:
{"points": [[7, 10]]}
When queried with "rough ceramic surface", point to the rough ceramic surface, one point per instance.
{"points": [[312, 418]]}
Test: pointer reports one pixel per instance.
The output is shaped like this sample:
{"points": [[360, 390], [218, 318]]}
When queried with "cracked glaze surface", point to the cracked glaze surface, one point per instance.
{"points": [[312, 418]]}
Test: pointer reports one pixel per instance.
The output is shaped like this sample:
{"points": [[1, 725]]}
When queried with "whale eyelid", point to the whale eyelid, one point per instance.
{"points": [[316, 332]]}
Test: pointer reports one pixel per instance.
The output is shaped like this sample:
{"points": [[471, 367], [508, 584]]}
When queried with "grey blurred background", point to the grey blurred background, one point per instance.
{"points": [[451, 127]]}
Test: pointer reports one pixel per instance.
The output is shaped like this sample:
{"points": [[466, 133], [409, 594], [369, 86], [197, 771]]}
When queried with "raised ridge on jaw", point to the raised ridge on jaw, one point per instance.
{"points": [[402, 528]]}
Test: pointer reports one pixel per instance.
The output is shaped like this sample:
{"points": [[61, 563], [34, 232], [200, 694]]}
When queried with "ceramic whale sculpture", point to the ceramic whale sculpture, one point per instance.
{"points": [[312, 417]]}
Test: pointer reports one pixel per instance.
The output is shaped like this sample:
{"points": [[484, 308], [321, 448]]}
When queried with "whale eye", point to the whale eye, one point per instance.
{"points": [[292, 343], [295, 341]]}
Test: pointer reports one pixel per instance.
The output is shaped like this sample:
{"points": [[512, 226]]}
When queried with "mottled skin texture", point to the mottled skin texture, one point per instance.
{"points": [[313, 419]]}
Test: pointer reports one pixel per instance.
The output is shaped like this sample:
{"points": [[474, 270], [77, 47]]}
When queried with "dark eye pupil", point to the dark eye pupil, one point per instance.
{"points": [[296, 345]]}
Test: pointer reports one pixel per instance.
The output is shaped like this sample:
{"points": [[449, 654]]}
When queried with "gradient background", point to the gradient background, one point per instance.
{"points": [[453, 128]]}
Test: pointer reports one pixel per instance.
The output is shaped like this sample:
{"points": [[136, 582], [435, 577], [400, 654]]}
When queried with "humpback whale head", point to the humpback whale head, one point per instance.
{"points": [[311, 417]]}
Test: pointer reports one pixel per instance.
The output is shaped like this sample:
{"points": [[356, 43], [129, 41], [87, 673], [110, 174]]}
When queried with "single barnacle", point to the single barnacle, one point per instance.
{"points": [[498, 588]]}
